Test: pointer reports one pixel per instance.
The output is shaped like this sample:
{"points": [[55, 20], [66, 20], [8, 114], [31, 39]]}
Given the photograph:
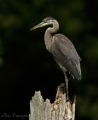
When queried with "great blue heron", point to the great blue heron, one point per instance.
{"points": [[62, 49]]}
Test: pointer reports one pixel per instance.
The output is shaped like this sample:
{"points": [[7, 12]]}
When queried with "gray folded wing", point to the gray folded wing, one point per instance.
{"points": [[66, 55]]}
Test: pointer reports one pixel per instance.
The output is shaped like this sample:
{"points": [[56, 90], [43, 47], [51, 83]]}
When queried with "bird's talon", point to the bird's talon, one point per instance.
{"points": [[68, 100]]}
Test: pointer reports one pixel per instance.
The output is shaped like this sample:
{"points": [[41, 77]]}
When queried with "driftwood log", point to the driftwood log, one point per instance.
{"points": [[59, 110]]}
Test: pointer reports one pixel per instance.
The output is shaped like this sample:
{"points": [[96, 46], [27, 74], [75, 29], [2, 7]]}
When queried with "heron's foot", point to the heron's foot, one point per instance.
{"points": [[68, 100]]}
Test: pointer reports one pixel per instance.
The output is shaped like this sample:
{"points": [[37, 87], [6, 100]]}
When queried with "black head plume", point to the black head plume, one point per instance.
{"points": [[47, 19]]}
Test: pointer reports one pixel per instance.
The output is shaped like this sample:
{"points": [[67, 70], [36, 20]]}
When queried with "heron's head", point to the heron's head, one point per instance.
{"points": [[46, 21]]}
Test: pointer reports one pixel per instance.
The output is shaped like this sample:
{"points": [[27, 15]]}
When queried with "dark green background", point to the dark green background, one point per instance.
{"points": [[25, 64]]}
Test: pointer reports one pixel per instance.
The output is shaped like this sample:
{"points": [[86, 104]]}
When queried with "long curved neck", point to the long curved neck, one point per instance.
{"points": [[48, 34]]}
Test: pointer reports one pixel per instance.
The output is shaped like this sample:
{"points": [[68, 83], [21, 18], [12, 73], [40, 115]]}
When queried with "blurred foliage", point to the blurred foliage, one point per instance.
{"points": [[26, 66]]}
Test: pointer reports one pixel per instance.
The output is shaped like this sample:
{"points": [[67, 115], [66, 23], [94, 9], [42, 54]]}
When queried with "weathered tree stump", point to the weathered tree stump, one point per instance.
{"points": [[59, 110]]}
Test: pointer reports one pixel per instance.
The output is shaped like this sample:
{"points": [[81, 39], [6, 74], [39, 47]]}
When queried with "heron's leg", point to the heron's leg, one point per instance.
{"points": [[66, 80]]}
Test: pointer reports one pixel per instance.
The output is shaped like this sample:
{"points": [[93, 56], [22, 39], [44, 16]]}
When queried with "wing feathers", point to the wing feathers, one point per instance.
{"points": [[65, 53]]}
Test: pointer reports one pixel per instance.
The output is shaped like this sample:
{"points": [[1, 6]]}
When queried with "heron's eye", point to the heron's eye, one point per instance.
{"points": [[44, 21]]}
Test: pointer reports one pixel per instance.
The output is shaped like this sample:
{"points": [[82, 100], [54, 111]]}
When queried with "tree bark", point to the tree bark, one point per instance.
{"points": [[59, 110]]}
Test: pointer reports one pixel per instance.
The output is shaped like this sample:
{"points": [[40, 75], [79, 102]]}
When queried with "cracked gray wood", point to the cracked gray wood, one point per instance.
{"points": [[44, 110]]}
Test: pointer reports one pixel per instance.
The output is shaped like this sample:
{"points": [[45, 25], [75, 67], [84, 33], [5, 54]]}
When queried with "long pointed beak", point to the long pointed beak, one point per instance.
{"points": [[39, 25]]}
